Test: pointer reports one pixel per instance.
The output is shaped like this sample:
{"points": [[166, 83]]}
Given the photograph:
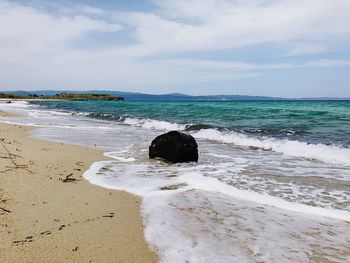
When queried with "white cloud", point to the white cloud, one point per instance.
{"points": [[238, 66], [328, 63], [25, 29], [39, 49], [307, 49], [201, 25]]}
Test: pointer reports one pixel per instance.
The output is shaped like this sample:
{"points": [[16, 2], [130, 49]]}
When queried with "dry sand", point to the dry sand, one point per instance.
{"points": [[43, 219]]}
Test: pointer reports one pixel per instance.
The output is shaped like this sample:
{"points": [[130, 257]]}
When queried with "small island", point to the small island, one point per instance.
{"points": [[65, 96]]}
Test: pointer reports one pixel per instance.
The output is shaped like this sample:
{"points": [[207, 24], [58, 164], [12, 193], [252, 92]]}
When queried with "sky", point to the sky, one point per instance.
{"points": [[284, 48]]}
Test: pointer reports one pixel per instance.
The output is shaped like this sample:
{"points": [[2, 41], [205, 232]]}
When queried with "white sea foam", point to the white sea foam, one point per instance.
{"points": [[195, 226], [15, 104], [189, 217], [101, 174], [114, 155], [213, 185], [321, 152], [130, 179], [154, 124]]}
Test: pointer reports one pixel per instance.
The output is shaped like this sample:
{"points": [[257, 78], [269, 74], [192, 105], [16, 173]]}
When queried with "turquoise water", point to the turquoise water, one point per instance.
{"points": [[326, 122]]}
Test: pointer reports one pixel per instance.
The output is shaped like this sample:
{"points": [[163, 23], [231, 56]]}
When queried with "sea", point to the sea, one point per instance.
{"points": [[272, 183]]}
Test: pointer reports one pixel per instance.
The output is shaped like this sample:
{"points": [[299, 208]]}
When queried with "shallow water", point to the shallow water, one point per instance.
{"points": [[252, 197]]}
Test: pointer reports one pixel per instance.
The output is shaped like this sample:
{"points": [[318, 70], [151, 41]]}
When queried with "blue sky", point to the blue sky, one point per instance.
{"points": [[288, 48]]}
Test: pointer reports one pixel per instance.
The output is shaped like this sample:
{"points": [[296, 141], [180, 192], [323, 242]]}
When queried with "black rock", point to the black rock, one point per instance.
{"points": [[175, 147]]}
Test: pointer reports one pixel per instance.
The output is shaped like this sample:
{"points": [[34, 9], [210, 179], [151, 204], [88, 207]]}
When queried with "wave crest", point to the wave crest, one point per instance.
{"points": [[154, 124], [325, 153]]}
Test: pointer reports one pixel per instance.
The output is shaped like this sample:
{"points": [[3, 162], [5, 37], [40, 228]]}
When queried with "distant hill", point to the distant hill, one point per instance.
{"points": [[60, 96], [133, 96]]}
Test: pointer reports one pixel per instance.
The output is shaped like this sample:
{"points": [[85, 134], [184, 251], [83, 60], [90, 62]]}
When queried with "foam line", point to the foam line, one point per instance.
{"points": [[213, 185], [154, 124], [146, 187], [325, 153]]}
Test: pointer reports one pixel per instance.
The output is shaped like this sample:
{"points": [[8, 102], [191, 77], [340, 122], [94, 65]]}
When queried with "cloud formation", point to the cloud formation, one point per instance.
{"points": [[202, 25], [173, 45], [27, 29]]}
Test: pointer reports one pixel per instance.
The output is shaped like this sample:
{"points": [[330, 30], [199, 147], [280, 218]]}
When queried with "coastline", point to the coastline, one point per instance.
{"points": [[234, 205], [44, 219]]}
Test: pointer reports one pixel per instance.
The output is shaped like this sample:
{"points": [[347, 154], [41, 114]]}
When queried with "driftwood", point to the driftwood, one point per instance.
{"points": [[69, 179], [5, 210], [79, 163], [3, 200], [61, 227], [109, 215], [12, 158]]}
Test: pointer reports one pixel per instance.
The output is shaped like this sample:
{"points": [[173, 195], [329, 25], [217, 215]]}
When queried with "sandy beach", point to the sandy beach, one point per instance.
{"points": [[45, 218]]}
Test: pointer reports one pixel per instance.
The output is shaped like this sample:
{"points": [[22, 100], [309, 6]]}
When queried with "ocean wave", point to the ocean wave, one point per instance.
{"points": [[321, 152], [15, 105], [326, 153], [103, 116], [154, 124], [198, 127]]}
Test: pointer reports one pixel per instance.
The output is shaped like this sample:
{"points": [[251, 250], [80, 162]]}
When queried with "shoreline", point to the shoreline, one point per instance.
{"points": [[233, 204], [44, 219]]}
